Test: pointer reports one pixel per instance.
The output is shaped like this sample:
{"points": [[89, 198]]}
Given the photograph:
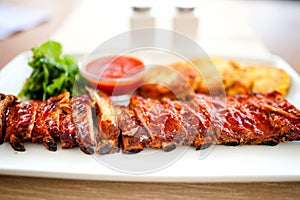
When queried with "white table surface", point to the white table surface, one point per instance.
{"points": [[222, 26]]}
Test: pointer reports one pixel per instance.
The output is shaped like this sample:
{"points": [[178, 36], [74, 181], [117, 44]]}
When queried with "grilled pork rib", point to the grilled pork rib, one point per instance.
{"points": [[108, 137], [206, 108], [67, 127], [190, 120], [20, 122], [134, 135], [5, 102], [68, 135], [82, 113], [259, 119], [162, 123], [46, 128]]}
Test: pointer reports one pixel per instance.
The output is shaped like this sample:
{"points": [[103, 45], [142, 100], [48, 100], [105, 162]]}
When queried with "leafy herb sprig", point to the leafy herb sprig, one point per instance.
{"points": [[53, 73]]}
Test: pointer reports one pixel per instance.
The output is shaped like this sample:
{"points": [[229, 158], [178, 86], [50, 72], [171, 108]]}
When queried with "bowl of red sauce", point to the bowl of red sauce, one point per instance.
{"points": [[114, 75]]}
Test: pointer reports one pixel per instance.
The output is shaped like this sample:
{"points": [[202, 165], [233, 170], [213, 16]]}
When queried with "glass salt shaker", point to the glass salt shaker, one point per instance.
{"points": [[142, 17], [186, 22]]}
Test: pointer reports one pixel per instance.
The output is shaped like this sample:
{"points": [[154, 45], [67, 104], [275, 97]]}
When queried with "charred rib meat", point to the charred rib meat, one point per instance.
{"points": [[259, 119], [108, 137], [162, 123], [67, 127], [82, 113], [192, 121], [46, 128], [134, 135], [20, 122], [5, 102]]}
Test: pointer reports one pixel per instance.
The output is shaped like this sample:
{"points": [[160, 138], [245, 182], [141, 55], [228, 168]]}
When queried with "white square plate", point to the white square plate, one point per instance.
{"points": [[219, 164]]}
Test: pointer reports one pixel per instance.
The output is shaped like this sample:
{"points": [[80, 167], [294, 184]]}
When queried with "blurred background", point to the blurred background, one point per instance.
{"points": [[224, 25]]}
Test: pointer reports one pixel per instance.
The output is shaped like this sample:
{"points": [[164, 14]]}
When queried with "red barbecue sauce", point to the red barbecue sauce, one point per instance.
{"points": [[116, 75]]}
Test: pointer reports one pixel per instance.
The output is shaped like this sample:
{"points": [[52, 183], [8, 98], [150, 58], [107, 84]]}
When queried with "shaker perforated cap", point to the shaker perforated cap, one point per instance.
{"points": [[141, 5], [185, 9], [141, 8]]}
